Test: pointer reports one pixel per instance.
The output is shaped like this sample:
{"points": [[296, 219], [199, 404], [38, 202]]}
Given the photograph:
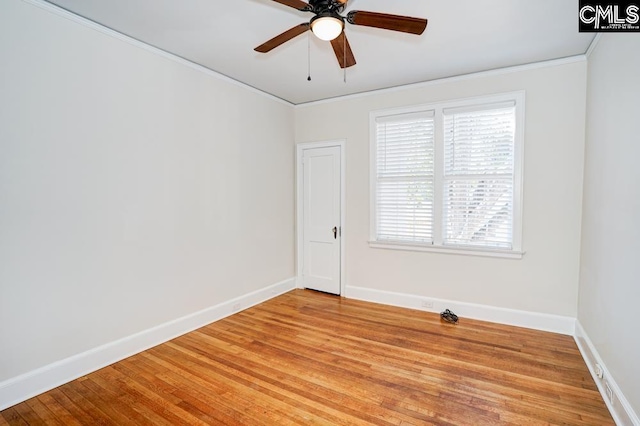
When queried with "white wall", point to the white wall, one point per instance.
{"points": [[133, 189], [610, 263], [546, 279]]}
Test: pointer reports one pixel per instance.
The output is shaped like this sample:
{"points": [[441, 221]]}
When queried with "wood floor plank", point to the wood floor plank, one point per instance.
{"points": [[44, 413], [29, 416], [58, 412], [11, 416], [310, 358], [88, 406], [68, 405]]}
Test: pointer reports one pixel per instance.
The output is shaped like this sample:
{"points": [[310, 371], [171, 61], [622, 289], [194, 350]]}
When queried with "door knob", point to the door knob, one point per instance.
{"points": [[335, 232]]}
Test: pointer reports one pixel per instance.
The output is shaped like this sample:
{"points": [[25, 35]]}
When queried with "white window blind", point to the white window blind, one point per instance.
{"points": [[478, 178], [405, 178]]}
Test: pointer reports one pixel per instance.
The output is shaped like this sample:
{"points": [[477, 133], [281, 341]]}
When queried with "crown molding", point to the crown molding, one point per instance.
{"points": [[593, 45], [454, 79]]}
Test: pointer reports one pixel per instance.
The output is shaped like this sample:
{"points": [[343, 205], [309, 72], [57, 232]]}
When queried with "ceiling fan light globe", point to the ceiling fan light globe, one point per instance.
{"points": [[327, 28]]}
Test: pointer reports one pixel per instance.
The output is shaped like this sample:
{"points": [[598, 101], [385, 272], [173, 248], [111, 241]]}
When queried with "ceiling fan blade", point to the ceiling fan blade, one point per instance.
{"points": [[343, 51], [405, 24], [296, 4], [282, 38]]}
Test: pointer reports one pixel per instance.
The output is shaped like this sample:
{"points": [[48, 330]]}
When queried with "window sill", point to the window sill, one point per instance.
{"points": [[465, 251]]}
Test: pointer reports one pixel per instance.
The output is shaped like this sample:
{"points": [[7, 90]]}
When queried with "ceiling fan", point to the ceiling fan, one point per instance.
{"points": [[327, 24]]}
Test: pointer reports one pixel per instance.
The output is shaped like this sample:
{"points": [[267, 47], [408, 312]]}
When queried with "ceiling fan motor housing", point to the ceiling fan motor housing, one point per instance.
{"points": [[321, 6]]}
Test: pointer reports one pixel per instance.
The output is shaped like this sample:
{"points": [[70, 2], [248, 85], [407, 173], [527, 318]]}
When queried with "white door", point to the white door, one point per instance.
{"points": [[321, 219]]}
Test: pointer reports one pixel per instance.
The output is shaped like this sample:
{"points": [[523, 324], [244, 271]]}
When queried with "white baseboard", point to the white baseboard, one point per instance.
{"points": [[534, 320], [28, 385], [620, 409]]}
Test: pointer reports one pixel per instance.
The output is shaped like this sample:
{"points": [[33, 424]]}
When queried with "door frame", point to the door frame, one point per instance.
{"points": [[300, 148]]}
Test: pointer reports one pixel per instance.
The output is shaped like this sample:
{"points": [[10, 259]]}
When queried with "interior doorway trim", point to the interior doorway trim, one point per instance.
{"points": [[300, 147]]}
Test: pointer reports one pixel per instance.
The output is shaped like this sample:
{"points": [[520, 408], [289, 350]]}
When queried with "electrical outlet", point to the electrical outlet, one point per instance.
{"points": [[599, 371], [236, 307], [608, 390], [427, 304]]}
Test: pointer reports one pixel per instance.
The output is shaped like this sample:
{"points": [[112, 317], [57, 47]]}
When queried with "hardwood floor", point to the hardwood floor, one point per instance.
{"points": [[310, 358]]}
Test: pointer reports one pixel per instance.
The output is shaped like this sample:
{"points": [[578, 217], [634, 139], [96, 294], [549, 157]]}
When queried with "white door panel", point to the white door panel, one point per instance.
{"points": [[321, 215]]}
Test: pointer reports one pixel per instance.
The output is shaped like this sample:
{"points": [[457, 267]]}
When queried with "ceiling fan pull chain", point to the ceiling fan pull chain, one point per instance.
{"points": [[309, 55], [344, 52]]}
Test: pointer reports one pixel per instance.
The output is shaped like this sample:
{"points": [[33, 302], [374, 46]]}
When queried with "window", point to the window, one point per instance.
{"points": [[448, 177]]}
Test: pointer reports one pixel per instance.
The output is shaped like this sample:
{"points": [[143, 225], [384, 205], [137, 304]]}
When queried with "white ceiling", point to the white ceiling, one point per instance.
{"points": [[463, 36]]}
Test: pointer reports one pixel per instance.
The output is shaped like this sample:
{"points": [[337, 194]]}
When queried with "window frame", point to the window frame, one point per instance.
{"points": [[437, 245]]}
